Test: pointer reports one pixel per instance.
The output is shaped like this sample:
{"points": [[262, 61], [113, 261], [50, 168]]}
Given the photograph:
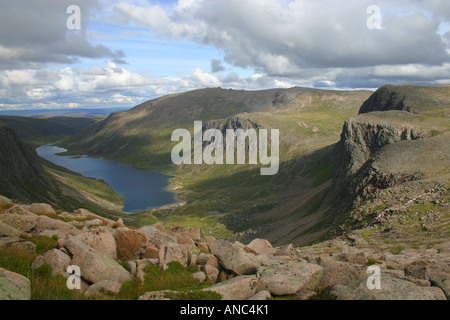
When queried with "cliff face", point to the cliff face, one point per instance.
{"points": [[363, 136], [397, 138], [21, 174]]}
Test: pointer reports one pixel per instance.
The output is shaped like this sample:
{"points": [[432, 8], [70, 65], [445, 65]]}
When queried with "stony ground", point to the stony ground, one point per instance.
{"points": [[110, 254]]}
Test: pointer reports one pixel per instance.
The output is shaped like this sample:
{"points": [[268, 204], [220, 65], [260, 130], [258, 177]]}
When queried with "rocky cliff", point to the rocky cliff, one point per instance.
{"points": [[400, 135]]}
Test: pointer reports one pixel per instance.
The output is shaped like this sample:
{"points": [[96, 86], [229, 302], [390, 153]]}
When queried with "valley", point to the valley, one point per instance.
{"points": [[334, 146]]}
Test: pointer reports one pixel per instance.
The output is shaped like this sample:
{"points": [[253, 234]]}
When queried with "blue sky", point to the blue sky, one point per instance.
{"points": [[127, 52]]}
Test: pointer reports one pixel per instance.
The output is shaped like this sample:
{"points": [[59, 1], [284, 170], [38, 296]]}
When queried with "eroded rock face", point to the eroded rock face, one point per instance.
{"points": [[362, 136]]}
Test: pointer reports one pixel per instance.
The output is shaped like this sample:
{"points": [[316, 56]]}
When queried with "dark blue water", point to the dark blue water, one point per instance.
{"points": [[142, 189]]}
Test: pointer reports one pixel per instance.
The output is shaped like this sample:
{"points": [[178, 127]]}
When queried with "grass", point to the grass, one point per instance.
{"points": [[44, 286], [43, 243], [176, 278]]}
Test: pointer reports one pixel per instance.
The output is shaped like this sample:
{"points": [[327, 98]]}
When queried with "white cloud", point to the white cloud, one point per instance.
{"points": [[285, 38]]}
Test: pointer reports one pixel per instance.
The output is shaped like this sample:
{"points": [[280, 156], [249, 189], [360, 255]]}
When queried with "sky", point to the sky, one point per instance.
{"points": [[122, 53]]}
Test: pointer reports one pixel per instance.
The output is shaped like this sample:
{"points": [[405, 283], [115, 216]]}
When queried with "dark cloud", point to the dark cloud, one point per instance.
{"points": [[216, 66], [33, 33], [282, 38]]}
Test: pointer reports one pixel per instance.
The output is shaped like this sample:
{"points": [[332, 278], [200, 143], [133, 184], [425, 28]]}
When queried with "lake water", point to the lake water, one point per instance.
{"points": [[142, 189]]}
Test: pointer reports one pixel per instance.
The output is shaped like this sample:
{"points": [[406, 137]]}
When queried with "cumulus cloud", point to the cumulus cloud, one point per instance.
{"points": [[292, 38], [34, 34], [261, 44], [67, 84]]}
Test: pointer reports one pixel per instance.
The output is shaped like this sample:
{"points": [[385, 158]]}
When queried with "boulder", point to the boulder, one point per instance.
{"points": [[352, 257], [183, 239], [238, 288], [202, 258], [288, 250], [5, 203], [93, 223], [15, 242], [288, 277], [209, 240], [211, 273], [174, 252], [234, 258], [104, 287], [193, 233], [130, 244], [101, 239], [261, 246], [156, 238], [83, 213], [200, 276], [392, 288], [14, 286], [150, 253], [57, 260], [49, 227], [212, 261], [42, 208], [8, 231], [95, 266], [261, 295], [338, 272], [22, 223], [435, 271], [203, 247]]}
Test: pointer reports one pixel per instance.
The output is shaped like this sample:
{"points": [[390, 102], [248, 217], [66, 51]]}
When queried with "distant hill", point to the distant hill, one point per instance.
{"points": [[37, 131], [86, 112]]}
